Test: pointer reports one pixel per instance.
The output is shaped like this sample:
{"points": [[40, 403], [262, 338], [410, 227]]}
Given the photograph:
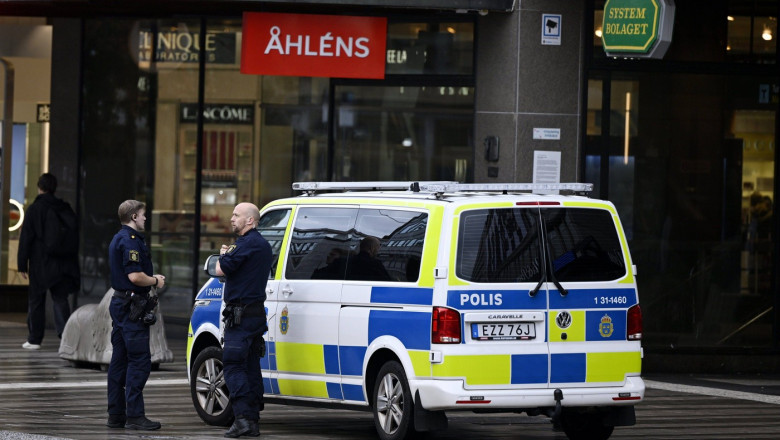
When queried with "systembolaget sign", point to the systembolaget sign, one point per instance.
{"points": [[313, 45], [637, 28]]}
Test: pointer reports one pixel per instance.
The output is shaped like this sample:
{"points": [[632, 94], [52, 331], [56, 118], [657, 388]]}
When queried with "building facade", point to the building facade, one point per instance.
{"points": [[120, 102]]}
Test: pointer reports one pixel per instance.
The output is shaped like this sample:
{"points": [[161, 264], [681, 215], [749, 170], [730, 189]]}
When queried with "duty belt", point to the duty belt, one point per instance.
{"points": [[254, 309], [124, 294]]}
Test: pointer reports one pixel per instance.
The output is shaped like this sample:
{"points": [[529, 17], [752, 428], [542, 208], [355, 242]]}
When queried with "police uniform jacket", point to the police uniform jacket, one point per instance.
{"points": [[128, 253], [246, 265], [32, 257]]}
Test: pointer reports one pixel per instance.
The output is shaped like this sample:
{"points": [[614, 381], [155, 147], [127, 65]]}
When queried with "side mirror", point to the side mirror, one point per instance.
{"points": [[211, 265]]}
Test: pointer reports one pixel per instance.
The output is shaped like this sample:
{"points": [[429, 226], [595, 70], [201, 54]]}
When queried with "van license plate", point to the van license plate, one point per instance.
{"points": [[493, 331]]}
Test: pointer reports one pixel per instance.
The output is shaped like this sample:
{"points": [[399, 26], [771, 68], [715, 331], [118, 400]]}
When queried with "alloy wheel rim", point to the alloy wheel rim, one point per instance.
{"points": [[390, 403], [210, 387]]}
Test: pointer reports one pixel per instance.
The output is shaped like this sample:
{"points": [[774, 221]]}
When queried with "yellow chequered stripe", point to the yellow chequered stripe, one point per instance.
{"points": [[190, 341], [574, 332], [283, 248], [420, 363], [307, 388], [612, 367], [432, 238], [301, 358], [477, 370]]}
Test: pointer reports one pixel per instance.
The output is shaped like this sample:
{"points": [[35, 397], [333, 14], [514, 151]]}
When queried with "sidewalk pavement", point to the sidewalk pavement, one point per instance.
{"points": [[756, 387]]}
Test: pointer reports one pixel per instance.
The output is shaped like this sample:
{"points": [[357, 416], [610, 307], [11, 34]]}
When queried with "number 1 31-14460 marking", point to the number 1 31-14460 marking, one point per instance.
{"points": [[601, 300]]}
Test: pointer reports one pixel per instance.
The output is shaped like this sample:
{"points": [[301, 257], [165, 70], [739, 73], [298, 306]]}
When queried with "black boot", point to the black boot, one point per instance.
{"points": [[141, 423], [116, 421], [242, 426]]}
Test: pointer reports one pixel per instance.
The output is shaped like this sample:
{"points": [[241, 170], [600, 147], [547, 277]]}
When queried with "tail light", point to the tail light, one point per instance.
{"points": [[445, 326], [634, 323]]}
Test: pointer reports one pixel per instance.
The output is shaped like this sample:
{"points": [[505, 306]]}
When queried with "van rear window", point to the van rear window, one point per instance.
{"points": [[505, 245], [499, 246], [583, 244]]}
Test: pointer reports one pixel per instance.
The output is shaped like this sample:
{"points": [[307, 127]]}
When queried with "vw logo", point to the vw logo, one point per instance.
{"points": [[563, 319]]}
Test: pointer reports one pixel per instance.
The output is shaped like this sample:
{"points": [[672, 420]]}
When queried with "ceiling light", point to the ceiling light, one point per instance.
{"points": [[730, 17]]}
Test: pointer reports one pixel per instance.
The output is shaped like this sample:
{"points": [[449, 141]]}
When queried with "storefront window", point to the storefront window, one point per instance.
{"points": [[192, 154], [293, 134], [28, 123], [691, 171], [403, 133], [444, 48], [137, 74], [118, 140]]}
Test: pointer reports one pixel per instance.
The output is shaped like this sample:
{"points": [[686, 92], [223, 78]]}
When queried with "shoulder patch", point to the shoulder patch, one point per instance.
{"points": [[134, 256], [230, 249]]}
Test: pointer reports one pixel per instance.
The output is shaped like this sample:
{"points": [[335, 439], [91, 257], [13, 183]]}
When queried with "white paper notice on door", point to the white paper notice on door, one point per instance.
{"points": [[547, 168]]}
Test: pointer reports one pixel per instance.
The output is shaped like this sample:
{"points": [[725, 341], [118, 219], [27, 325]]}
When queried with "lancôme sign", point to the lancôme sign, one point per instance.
{"points": [[637, 28]]}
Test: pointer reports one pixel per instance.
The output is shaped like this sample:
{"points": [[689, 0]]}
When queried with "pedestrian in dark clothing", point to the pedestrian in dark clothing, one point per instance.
{"points": [[132, 280], [56, 273], [245, 266]]}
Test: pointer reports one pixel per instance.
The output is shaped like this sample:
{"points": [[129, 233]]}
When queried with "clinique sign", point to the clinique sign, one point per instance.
{"points": [[313, 45], [183, 46]]}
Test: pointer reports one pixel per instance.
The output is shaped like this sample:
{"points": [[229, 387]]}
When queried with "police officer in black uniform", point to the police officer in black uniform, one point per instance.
{"points": [[132, 313], [245, 266]]}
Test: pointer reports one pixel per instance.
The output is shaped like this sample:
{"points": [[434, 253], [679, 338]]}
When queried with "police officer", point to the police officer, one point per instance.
{"points": [[131, 314], [245, 266]]}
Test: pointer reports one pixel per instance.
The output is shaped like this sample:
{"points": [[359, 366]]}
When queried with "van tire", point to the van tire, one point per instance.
{"points": [[393, 406], [208, 389], [585, 425]]}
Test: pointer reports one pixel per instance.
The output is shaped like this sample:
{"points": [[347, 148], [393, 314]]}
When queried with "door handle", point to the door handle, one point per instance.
{"points": [[287, 291], [269, 291]]}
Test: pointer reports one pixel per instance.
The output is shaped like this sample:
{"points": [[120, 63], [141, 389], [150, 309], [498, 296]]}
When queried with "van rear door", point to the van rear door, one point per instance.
{"points": [[502, 295], [591, 289]]}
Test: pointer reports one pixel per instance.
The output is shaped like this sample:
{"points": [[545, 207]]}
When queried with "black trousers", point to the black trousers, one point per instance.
{"points": [[36, 309]]}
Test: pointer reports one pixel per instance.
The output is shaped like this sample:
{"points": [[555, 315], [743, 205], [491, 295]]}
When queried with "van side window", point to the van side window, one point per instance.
{"points": [[272, 226], [320, 243], [499, 246], [583, 244], [387, 245]]}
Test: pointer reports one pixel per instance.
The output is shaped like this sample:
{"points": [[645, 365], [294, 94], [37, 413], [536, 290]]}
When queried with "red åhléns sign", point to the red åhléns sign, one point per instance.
{"points": [[313, 45]]}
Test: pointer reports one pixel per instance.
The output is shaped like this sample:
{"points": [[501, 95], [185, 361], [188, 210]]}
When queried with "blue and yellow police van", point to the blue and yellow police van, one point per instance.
{"points": [[414, 299]]}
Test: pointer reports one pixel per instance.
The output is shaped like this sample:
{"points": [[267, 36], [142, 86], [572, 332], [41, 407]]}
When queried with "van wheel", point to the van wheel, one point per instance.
{"points": [[208, 388], [585, 425], [392, 403]]}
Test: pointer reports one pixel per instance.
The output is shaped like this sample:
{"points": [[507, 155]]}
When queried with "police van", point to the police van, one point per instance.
{"points": [[414, 299]]}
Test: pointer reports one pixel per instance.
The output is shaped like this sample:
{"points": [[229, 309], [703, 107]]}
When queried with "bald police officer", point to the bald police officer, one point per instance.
{"points": [[132, 280], [245, 266]]}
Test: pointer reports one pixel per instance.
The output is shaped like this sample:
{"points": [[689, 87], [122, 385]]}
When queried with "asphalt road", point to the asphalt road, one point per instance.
{"points": [[44, 397]]}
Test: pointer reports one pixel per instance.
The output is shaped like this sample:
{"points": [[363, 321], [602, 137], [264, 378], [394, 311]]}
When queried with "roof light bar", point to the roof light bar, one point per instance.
{"points": [[346, 186], [500, 187], [441, 186]]}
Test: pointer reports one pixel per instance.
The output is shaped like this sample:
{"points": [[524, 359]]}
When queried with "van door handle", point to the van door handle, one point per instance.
{"points": [[287, 291], [269, 291]]}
